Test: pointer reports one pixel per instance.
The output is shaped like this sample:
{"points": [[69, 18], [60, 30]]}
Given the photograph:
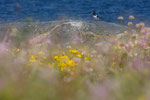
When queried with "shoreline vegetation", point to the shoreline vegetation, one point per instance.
{"points": [[75, 60]]}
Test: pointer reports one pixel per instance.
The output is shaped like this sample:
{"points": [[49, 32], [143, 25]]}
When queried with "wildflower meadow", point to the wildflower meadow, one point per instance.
{"points": [[52, 65]]}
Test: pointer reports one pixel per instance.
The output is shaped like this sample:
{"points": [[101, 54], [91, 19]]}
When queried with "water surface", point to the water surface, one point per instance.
{"points": [[45, 10]]}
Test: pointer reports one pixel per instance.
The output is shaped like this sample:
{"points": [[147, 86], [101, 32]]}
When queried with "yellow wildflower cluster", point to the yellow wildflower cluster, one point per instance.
{"points": [[33, 58], [64, 62], [37, 58], [76, 52], [15, 51]]}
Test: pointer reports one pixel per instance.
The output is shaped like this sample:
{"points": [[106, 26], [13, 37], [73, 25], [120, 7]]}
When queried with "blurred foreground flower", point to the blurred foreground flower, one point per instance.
{"points": [[143, 43], [3, 48]]}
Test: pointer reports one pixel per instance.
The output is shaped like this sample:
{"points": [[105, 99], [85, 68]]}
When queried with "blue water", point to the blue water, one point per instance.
{"points": [[45, 10]]}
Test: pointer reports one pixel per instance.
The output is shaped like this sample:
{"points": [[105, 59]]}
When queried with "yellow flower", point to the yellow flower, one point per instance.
{"points": [[32, 59], [64, 57], [15, 51], [56, 57], [71, 63], [64, 62], [18, 50], [62, 69], [96, 37], [74, 51], [40, 63], [79, 55], [53, 64], [115, 48], [86, 58]]}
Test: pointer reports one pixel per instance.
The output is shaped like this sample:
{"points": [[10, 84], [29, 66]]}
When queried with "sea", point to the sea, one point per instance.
{"points": [[48, 10]]}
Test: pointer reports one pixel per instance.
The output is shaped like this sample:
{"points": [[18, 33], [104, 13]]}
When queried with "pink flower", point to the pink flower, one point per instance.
{"points": [[140, 65], [86, 69], [3, 48], [126, 46], [48, 41], [77, 38], [143, 43]]}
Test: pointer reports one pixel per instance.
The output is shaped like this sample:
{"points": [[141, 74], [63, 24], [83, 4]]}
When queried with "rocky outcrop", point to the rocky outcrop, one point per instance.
{"points": [[63, 31], [68, 30]]}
